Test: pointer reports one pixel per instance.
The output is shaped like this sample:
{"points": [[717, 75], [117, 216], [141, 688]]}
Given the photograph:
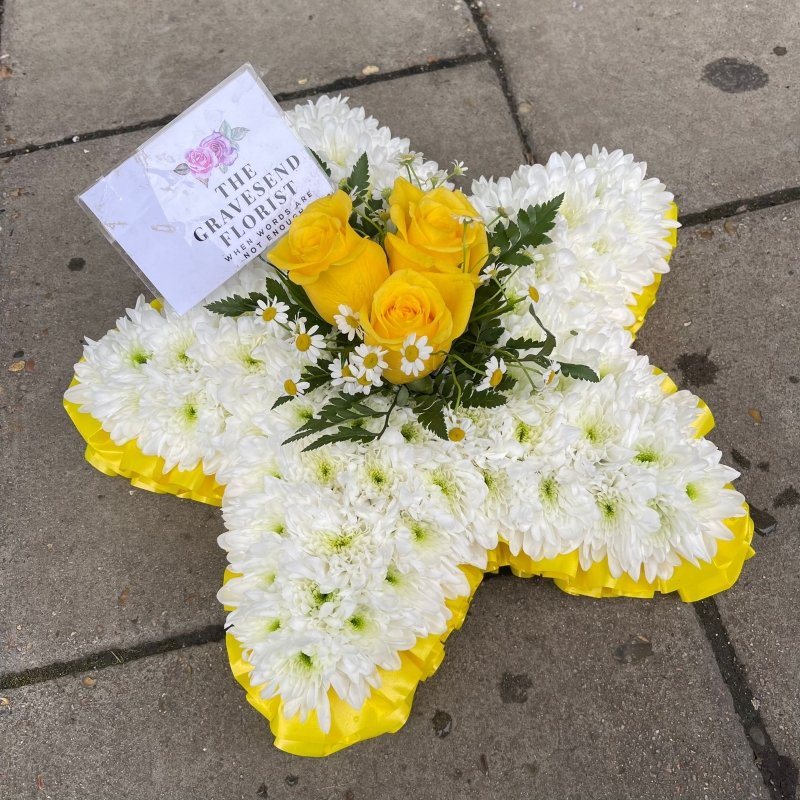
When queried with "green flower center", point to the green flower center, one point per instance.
{"points": [[305, 662]]}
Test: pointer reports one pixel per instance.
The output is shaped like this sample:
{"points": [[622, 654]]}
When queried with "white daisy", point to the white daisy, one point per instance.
{"points": [[307, 343], [459, 428], [342, 373], [414, 353], [368, 363], [363, 384], [490, 272], [291, 382], [272, 312], [495, 370], [348, 322], [466, 219]]}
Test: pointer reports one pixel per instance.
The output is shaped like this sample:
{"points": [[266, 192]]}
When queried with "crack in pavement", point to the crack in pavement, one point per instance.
{"points": [[111, 658], [735, 208], [339, 85], [778, 771], [496, 60]]}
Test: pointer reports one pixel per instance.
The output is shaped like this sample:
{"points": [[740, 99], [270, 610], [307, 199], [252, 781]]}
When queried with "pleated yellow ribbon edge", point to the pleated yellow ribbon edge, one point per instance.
{"points": [[691, 582], [644, 301], [385, 711], [144, 472]]}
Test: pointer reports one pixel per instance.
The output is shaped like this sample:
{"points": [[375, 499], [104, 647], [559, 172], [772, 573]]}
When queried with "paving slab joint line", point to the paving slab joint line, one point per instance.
{"points": [[111, 658], [735, 208], [496, 60], [339, 85], [778, 771]]}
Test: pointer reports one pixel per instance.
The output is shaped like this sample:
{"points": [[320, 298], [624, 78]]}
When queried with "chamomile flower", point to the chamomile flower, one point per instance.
{"points": [[551, 373], [414, 353], [459, 428], [364, 384], [466, 219], [368, 362], [348, 322], [341, 373], [272, 312], [291, 382], [495, 370], [307, 343], [490, 272]]}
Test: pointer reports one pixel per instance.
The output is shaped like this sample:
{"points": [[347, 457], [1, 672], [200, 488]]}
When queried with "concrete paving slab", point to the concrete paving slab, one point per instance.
{"points": [[76, 541], [539, 707], [80, 67], [474, 100], [705, 92], [727, 326]]}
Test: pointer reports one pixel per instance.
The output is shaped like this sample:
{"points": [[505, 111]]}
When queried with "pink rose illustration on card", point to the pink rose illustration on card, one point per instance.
{"points": [[217, 151]]}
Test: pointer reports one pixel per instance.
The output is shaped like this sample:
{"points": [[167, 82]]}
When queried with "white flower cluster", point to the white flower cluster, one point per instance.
{"points": [[347, 554], [608, 243]]}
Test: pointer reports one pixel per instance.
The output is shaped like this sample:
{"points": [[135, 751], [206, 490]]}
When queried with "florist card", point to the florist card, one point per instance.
{"points": [[213, 189]]}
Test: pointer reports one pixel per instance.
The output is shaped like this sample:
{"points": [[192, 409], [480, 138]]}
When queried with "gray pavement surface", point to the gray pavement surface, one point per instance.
{"points": [[90, 566], [737, 282], [164, 56], [639, 76], [535, 712]]}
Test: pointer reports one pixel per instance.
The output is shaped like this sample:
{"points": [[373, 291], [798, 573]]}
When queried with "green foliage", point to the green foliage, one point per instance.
{"points": [[530, 230], [324, 164], [236, 306], [580, 371], [346, 411], [358, 181], [430, 413], [279, 289]]}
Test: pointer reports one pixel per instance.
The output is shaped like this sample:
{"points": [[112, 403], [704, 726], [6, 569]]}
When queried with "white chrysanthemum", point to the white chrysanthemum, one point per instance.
{"points": [[340, 135], [182, 417], [552, 509]]}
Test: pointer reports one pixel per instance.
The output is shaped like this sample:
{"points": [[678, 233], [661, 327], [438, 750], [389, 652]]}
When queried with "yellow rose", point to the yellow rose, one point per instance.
{"points": [[434, 305], [429, 236], [324, 255]]}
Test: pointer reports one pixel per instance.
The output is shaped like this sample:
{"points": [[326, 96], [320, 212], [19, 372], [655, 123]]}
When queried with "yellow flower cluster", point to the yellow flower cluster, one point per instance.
{"points": [[423, 283]]}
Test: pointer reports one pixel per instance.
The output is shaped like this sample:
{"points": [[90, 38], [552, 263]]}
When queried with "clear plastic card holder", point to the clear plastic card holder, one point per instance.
{"points": [[213, 189]]}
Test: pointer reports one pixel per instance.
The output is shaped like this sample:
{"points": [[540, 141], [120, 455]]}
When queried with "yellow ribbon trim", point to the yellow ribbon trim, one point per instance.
{"points": [[385, 711], [645, 300], [388, 708], [690, 582], [144, 472]]}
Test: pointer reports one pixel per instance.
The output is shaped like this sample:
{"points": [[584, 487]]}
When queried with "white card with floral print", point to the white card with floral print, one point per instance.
{"points": [[215, 188]]}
